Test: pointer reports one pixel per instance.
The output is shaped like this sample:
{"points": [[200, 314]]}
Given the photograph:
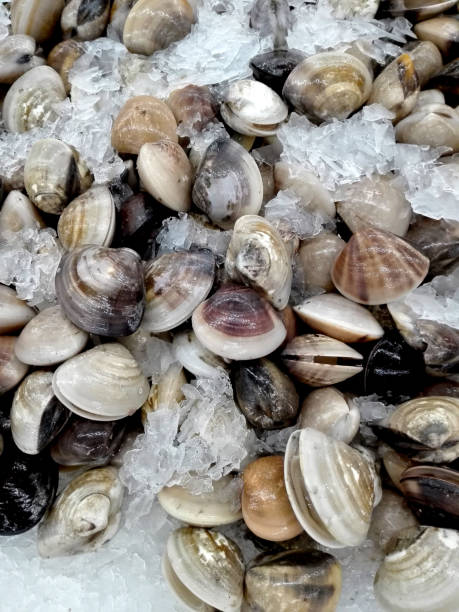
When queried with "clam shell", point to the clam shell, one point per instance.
{"points": [[376, 267], [426, 59], [155, 24], [228, 184], [318, 360], [317, 256], [395, 464], [49, 338], [84, 516], [236, 323], [205, 509], [166, 174], [416, 10], [339, 318], [18, 213], [429, 96], [193, 105], [176, 283], [12, 371], [62, 57], [443, 32], [88, 219], [206, 563], [390, 516], [331, 488], [142, 119], [101, 290], [85, 20], [433, 125], [273, 67], [166, 392], [14, 313], [17, 56], [194, 357], [37, 18]]}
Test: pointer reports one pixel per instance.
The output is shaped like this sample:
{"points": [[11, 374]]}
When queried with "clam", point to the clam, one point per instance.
{"points": [[152, 25], [258, 257], [118, 15], [390, 516], [62, 57], [426, 59], [265, 395], [317, 256], [331, 412], [420, 572], [236, 323], [204, 569], [228, 184], [176, 283], [37, 18], [377, 201], [337, 317], [437, 239], [290, 580], [166, 392], [416, 10], [101, 290], [331, 487], [49, 338], [252, 108], [318, 360], [220, 506], [273, 67], [30, 100], [36, 415], [84, 516], [194, 357], [446, 80], [17, 55], [443, 32], [12, 371], [192, 105], [328, 85], [14, 313], [434, 125], [102, 384], [54, 173], [142, 119], [394, 464], [85, 20], [18, 213], [166, 173], [376, 267], [429, 96], [88, 219], [137, 220], [265, 506]]}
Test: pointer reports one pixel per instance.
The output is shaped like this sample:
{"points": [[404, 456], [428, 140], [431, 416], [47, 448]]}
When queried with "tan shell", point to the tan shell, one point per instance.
{"points": [[442, 31], [14, 313], [166, 392], [328, 85], [18, 213], [12, 371], [142, 119], [395, 464], [155, 24], [166, 174], [193, 105], [314, 359], [433, 125], [376, 267], [37, 18], [426, 58], [337, 317], [62, 57], [17, 56], [317, 256], [429, 96]]}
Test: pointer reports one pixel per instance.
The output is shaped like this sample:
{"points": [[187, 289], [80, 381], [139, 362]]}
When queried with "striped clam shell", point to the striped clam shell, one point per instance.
{"points": [[62, 57], [12, 370], [18, 213], [376, 267], [37, 18], [14, 313]]}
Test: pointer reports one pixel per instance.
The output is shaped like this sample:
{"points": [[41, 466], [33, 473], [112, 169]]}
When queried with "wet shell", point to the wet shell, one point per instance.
{"points": [[331, 412], [88, 219], [62, 57], [236, 323], [394, 464], [303, 580], [318, 360], [166, 392], [194, 357], [228, 184], [331, 488], [272, 68], [54, 173], [437, 239], [421, 572], [176, 283], [14, 313], [377, 267], [85, 19], [101, 290], [258, 257], [18, 213], [12, 371], [429, 96], [337, 317], [36, 415], [17, 56], [49, 338], [426, 59], [328, 85], [204, 567], [166, 174], [142, 119], [443, 32], [84, 516], [118, 15], [434, 125], [37, 18], [416, 10], [220, 506], [155, 24], [102, 384], [317, 257], [192, 105], [30, 99]]}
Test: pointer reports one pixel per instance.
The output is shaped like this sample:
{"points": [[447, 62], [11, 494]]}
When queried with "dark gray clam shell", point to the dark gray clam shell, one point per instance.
{"points": [[101, 290], [85, 19]]}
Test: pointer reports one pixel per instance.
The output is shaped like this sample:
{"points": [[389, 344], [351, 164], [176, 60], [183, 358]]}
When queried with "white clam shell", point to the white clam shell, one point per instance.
{"points": [[17, 56], [16, 214], [194, 357], [166, 392], [14, 313], [12, 370], [433, 125]]}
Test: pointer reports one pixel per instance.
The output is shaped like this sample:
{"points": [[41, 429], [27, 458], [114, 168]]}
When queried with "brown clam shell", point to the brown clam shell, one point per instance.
{"points": [[192, 105], [63, 56]]}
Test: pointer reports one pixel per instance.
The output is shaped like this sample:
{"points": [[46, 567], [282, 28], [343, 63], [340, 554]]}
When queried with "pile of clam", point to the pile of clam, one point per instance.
{"points": [[72, 389]]}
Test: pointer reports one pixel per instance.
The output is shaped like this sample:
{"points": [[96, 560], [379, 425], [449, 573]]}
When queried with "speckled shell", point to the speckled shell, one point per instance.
{"points": [[176, 283], [194, 357], [101, 290], [166, 392], [14, 313], [434, 125], [12, 371], [155, 24], [18, 213], [49, 338], [377, 267], [62, 57], [443, 32], [102, 384], [85, 19], [142, 119], [204, 567], [192, 105], [17, 56], [236, 323], [328, 85], [317, 256], [37, 18], [85, 515]]}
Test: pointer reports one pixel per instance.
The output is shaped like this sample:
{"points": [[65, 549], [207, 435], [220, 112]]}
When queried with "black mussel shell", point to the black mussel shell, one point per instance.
{"points": [[272, 68], [447, 81]]}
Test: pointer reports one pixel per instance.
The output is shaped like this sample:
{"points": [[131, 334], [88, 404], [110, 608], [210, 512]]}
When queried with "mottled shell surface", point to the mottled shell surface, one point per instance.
{"points": [[18, 213], [194, 357], [12, 370], [434, 125], [17, 56], [37, 18], [192, 105], [85, 19], [14, 313], [317, 256]]}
